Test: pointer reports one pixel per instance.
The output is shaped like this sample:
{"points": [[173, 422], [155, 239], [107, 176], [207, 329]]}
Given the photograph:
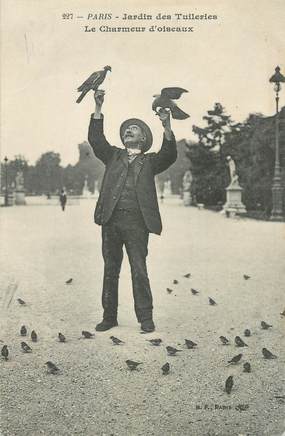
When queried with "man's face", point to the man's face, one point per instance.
{"points": [[133, 137]]}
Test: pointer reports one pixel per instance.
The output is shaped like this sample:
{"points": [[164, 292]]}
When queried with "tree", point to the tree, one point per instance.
{"points": [[208, 157], [253, 149], [48, 172]]}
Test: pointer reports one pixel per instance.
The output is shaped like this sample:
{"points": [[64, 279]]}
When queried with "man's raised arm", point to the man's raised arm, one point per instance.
{"points": [[167, 155], [101, 147]]}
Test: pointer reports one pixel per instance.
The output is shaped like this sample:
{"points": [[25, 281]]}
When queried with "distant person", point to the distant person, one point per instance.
{"points": [[62, 199], [127, 207]]}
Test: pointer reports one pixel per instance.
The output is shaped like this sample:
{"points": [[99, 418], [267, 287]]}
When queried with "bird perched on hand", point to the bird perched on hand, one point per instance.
{"points": [[23, 331], [246, 367], [21, 302], [267, 354], [93, 82], [69, 281], [224, 340], [61, 337], [194, 291], [34, 336], [25, 347], [239, 342], [132, 365], [264, 325], [212, 302], [116, 341], [165, 101], [155, 342], [235, 359], [52, 368], [229, 384], [247, 333], [5, 352], [171, 351], [165, 368], [190, 344], [87, 335]]}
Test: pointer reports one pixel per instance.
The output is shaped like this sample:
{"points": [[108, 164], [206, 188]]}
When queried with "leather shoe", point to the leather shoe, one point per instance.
{"points": [[148, 326], [106, 324]]}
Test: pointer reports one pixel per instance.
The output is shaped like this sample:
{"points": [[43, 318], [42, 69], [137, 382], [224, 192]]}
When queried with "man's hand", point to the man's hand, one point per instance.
{"points": [[164, 116], [99, 100]]}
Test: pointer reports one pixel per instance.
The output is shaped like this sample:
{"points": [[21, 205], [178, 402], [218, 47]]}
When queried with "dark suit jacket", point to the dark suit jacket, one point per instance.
{"points": [[146, 167]]}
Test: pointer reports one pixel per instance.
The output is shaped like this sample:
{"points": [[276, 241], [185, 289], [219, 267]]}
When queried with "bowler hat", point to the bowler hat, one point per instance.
{"points": [[144, 127]]}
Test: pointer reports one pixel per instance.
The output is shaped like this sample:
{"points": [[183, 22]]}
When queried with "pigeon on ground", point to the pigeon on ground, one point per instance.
{"points": [[20, 301], [212, 302], [23, 330], [5, 352], [175, 282], [87, 335], [246, 277], [132, 365], [165, 101], [235, 359], [93, 82], [264, 325], [239, 342], [165, 368], [52, 368], [194, 291], [116, 341], [246, 367], [155, 342], [171, 351], [61, 337], [187, 276], [267, 354], [190, 344], [69, 281], [283, 313], [229, 384], [224, 340], [25, 347], [247, 333], [34, 336], [169, 290]]}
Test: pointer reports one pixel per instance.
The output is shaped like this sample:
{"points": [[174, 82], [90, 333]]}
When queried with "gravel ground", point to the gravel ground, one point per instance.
{"points": [[95, 394]]}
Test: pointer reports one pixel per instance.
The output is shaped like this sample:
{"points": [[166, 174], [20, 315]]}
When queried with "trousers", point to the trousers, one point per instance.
{"points": [[126, 228]]}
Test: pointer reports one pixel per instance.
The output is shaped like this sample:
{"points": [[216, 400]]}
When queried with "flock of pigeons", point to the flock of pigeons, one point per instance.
{"points": [[171, 351]]}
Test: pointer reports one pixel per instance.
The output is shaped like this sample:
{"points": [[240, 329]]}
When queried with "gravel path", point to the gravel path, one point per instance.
{"points": [[94, 393]]}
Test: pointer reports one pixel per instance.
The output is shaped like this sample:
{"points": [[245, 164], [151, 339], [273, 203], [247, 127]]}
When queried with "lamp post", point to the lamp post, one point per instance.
{"points": [[6, 201], [277, 189]]}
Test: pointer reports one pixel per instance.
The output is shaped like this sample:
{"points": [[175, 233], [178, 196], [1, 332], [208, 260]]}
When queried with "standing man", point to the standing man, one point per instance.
{"points": [[62, 199], [127, 208]]}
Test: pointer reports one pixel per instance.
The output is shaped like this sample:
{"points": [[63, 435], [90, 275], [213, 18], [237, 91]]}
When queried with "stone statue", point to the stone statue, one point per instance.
{"points": [[19, 181], [186, 195], [232, 168], [187, 179]]}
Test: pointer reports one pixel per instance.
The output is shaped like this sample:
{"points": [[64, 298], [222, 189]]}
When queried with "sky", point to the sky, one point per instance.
{"points": [[45, 58]]}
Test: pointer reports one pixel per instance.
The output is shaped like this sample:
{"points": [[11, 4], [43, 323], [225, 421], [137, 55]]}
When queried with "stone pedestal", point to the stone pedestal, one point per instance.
{"points": [[187, 200], [234, 205], [20, 199]]}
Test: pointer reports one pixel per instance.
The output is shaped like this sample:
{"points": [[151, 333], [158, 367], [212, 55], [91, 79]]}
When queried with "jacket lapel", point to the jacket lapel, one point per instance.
{"points": [[124, 157]]}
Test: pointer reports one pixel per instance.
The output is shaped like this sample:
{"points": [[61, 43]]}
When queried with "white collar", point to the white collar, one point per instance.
{"points": [[133, 151]]}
